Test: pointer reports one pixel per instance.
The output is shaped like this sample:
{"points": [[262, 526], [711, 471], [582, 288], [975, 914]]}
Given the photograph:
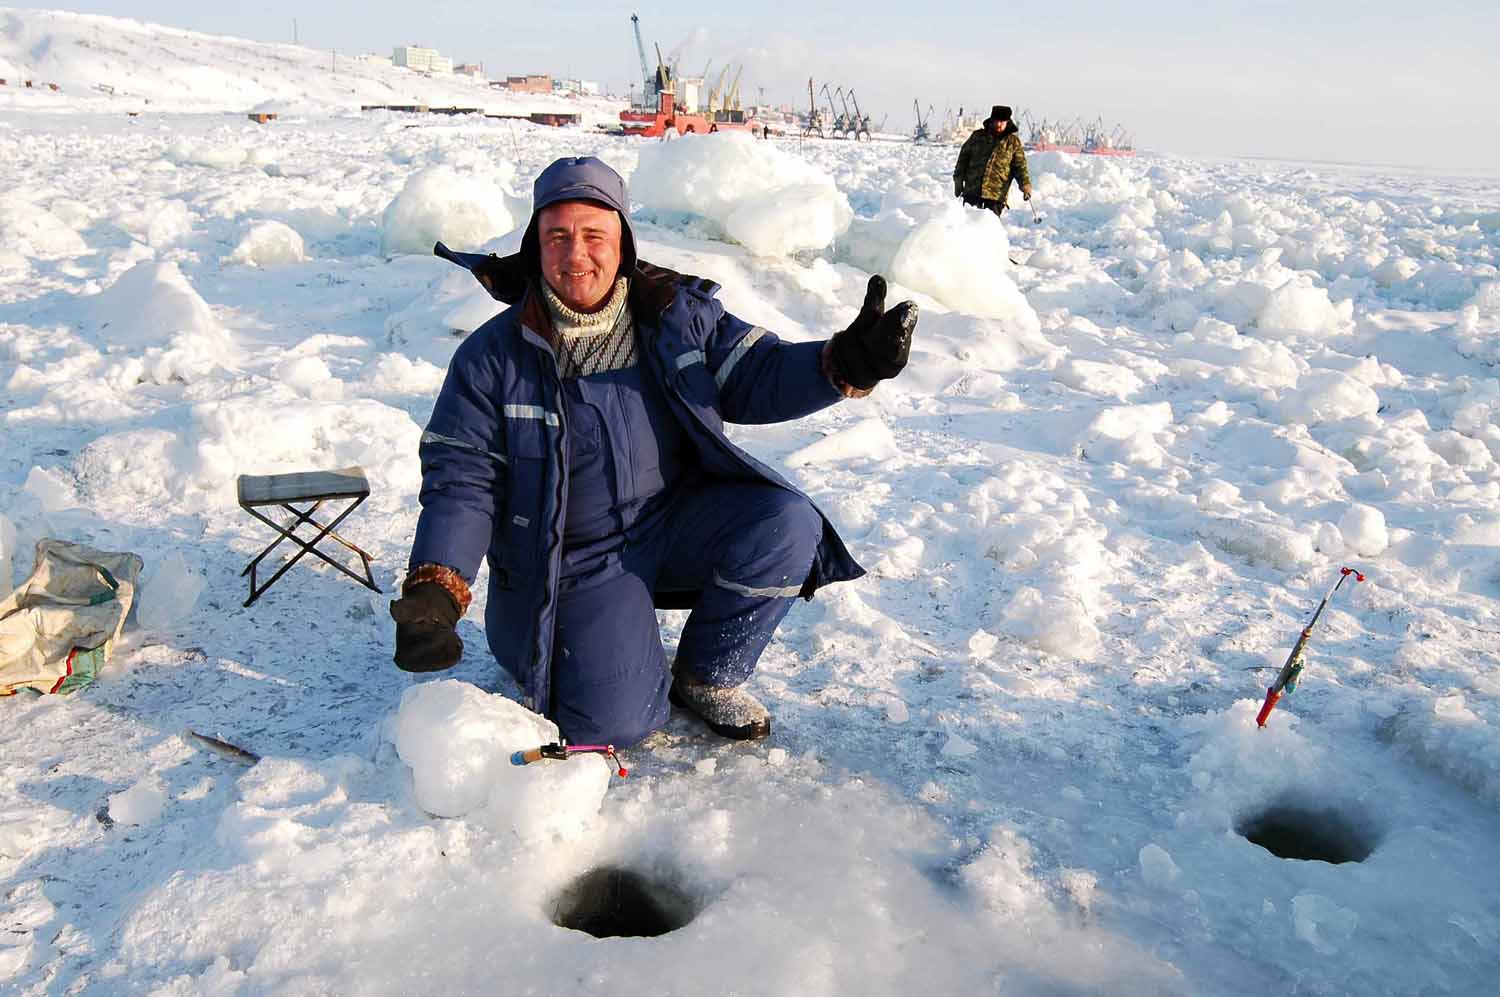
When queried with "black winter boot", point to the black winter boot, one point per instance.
{"points": [[729, 711]]}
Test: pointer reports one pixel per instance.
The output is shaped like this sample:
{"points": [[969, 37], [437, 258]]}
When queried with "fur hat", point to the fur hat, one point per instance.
{"points": [[999, 112]]}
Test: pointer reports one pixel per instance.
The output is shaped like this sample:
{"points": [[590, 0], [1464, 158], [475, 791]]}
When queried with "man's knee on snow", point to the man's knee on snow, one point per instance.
{"points": [[620, 711], [609, 673]]}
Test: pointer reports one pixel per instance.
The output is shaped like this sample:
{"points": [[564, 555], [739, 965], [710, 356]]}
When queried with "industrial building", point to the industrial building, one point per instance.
{"points": [[529, 84], [584, 88], [422, 60]]}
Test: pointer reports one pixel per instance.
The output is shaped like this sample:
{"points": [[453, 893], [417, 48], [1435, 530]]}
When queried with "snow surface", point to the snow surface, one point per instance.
{"points": [[116, 65], [1016, 757]]}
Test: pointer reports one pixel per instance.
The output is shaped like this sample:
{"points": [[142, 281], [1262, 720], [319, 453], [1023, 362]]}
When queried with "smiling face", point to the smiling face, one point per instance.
{"points": [[580, 245]]}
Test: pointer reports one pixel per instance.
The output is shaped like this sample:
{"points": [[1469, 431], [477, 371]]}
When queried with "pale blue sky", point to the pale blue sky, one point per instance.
{"points": [[1372, 82]]}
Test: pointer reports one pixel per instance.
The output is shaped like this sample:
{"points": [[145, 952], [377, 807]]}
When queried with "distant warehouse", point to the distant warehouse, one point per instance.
{"points": [[529, 84], [422, 60], [587, 88]]}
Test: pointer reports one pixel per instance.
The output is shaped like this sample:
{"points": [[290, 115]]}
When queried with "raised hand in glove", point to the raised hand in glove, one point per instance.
{"points": [[877, 343], [426, 638]]}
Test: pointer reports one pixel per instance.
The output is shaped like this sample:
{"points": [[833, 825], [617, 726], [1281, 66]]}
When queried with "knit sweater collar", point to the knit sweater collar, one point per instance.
{"points": [[570, 322]]}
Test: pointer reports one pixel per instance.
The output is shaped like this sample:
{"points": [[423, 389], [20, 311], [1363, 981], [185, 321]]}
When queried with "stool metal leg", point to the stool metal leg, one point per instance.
{"points": [[305, 546], [302, 517], [328, 531]]}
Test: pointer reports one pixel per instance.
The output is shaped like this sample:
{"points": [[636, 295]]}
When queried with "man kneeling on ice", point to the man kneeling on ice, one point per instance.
{"points": [[579, 442]]}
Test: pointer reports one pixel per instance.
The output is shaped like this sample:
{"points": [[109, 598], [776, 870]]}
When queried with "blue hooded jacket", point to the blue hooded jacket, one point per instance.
{"points": [[494, 455]]}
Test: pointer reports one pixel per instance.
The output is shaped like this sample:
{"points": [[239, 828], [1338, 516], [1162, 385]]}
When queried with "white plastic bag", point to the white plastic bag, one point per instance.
{"points": [[58, 628]]}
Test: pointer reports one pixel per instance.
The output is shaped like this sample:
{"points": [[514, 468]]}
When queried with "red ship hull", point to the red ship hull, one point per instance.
{"points": [[649, 123], [1077, 149]]}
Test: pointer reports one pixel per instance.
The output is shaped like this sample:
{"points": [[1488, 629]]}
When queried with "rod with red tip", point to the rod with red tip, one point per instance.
{"points": [[561, 752], [1286, 681]]}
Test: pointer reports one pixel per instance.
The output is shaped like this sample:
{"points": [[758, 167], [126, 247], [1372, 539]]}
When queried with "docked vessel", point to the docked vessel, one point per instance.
{"points": [[661, 111]]}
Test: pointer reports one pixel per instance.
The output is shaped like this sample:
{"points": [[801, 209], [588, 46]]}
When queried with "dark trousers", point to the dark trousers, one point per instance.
{"points": [[987, 203], [747, 547]]}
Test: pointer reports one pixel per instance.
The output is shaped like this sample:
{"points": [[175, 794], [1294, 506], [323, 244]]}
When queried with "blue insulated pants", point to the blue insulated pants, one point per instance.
{"points": [[747, 546]]}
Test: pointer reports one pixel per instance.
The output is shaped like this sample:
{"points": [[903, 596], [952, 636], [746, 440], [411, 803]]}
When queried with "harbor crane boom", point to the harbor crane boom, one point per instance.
{"points": [[640, 47], [716, 95], [732, 100]]}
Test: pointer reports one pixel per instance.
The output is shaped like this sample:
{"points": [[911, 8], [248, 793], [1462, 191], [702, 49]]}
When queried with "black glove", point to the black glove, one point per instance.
{"points": [[426, 640], [877, 343], [958, 188]]}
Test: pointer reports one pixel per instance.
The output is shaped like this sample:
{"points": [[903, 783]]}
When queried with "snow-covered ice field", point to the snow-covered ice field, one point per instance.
{"points": [[1018, 757]]}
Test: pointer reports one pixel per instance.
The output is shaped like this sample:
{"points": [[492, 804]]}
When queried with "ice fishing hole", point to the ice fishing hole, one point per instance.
{"points": [[1298, 830], [611, 902]]}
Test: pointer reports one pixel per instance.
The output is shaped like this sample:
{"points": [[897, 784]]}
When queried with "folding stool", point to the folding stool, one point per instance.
{"points": [[288, 491]]}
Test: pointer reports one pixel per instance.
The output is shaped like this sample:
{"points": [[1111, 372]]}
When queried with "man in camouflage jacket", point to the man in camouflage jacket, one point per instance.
{"points": [[990, 158]]}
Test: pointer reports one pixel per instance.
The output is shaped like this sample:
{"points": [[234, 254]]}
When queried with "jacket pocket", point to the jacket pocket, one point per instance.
{"points": [[519, 538], [530, 435]]}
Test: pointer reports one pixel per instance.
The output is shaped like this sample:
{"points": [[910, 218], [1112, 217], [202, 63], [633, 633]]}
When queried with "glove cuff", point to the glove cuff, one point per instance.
{"points": [[836, 377], [445, 577]]}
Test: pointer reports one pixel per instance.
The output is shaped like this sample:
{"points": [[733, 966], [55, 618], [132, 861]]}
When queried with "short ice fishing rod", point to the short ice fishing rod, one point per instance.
{"points": [[1286, 681], [562, 752]]}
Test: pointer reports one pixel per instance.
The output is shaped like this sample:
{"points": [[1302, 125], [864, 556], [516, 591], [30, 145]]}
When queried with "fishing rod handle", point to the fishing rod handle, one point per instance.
{"points": [[1272, 698], [527, 757]]}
